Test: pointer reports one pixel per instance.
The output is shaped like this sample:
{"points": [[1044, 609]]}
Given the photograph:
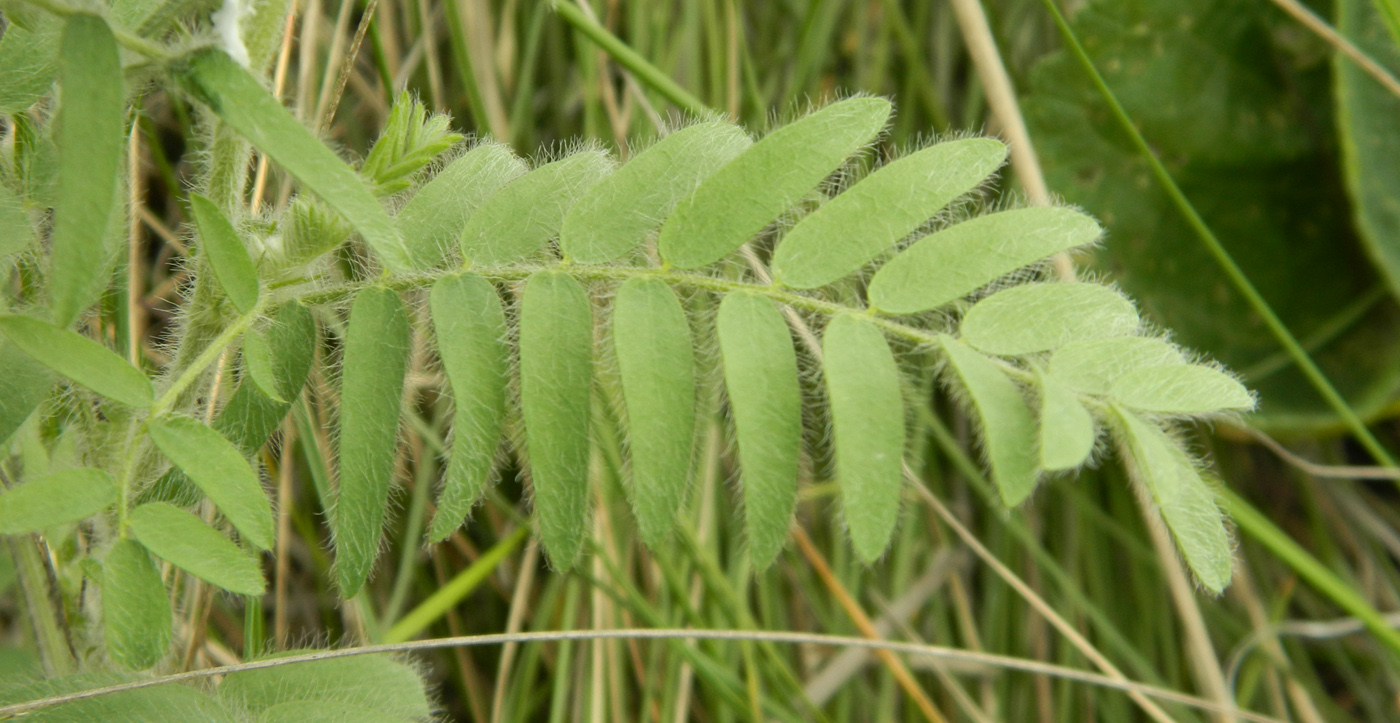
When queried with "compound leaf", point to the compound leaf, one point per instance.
{"points": [[556, 360], [55, 499], [656, 362], [519, 219], [867, 411], [136, 615], [218, 468], [751, 191], [854, 228], [1041, 317], [80, 359], [184, 541], [1008, 429], [227, 255]]}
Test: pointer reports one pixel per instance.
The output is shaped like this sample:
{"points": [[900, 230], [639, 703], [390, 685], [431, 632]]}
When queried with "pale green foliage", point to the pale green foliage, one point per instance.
{"points": [[184, 541], [1180, 389], [371, 384], [867, 410], [765, 401], [80, 359], [55, 499], [28, 61], [90, 136], [952, 263], [220, 471], [1091, 366], [24, 382], [433, 219], [225, 253], [257, 362], [15, 232], [656, 362], [1044, 317], [556, 370], [136, 616], [842, 236], [157, 703], [618, 214], [519, 219], [410, 140], [751, 191], [373, 684], [1008, 429], [470, 328], [1066, 427]]}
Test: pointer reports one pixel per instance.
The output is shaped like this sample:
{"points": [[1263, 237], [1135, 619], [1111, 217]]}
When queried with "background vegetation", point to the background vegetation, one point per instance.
{"points": [[1281, 146]]}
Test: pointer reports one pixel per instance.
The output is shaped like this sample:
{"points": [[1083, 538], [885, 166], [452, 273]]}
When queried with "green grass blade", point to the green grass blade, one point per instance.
{"points": [[867, 411], [227, 255], [80, 359], [90, 143], [656, 362], [218, 468], [849, 232], [371, 389], [765, 400], [556, 360], [184, 541], [136, 615]]}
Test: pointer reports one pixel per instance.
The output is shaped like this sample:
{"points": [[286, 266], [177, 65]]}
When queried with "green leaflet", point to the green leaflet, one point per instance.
{"points": [[1180, 389], [80, 359], [617, 215], [1008, 429], [135, 611], [958, 260], [227, 255], [317, 711], [257, 362], [55, 499], [556, 360], [1066, 427], [432, 221], [242, 102], [184, 541], [1090, 367], [750, 192], [371, 389], [89, 135], [519, 219], [656, 362], [857, 226], [867, 411], [28, 62], [15, 231], [221, 471], [375, 683], [1185, 501], [760, 374], [471, 337], [1041, 317], [171, 703], [24, 383]]}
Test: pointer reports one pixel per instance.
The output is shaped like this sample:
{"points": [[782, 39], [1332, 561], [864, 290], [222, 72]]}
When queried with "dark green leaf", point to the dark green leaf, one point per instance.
{"points": [[227, 255]]}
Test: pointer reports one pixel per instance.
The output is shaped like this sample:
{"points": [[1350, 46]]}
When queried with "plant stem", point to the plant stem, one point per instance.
{"points": [[210, 354]]}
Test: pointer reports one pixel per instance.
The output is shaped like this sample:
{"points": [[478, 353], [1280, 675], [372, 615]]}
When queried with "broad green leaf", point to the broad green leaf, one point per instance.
{"points": [[319, 711], [1230, 102], [257, 362], [1066, 427], [526, 213], [90, 139], [24, 383], [857, 226], [1042, 317], [961, 259], [471, 337], [556, 370], [1370, 135], [15, 231], [183, 540], [28, 62], [227, 255], [242, 102], [218, 468], [433, 220], [1180, 389], [1185, 501], [374, 683], [867, 412], [80, 359], [371, 389], [764, 182], [169, 703], [616, 215], [656, 362], [1009, 435], [55, 499], [1090, 367], [765, 400], [135, 610]]}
